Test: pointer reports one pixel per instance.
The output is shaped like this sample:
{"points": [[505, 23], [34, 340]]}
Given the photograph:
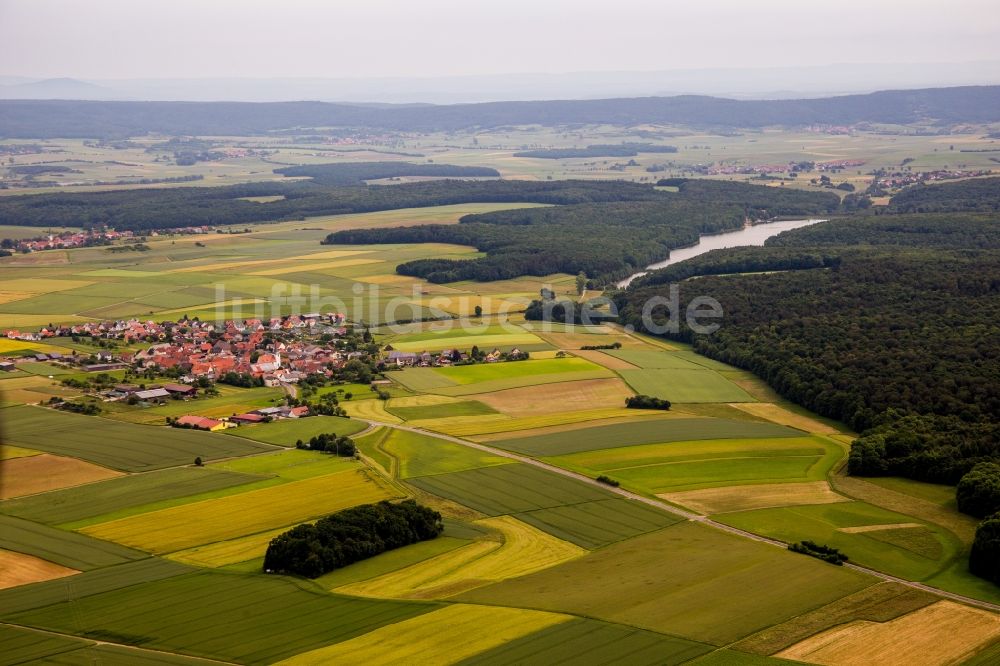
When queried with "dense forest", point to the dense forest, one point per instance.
{"points": [[974, 195], [952, 230], [349, 536], [195, 206], [356, 173], [61, 118], [605, 241], [598, 150], [905, 348]]}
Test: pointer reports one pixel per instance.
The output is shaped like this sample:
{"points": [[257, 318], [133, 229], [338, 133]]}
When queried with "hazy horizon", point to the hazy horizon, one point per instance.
{"points": [[118, 40]]}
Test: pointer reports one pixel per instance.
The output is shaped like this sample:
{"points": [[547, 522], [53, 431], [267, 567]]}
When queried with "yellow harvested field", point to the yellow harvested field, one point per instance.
{"points": [[37, 474], [524, 550], [252, 512], [878, 528], [744, 498], [942, 633], [227, 552], [34, 321], [485, 342], [782, 416], [7, 345], [606, 360], [223, 265], [445, 636], [586, 394], [544, 422], [373, 410], [20, 569], [7, 452], [297, 267], [8, 296]]}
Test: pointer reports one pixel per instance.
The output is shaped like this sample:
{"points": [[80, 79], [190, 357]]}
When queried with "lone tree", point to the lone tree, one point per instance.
{"points": [[478, 310], [197, 461], [581, 283]]}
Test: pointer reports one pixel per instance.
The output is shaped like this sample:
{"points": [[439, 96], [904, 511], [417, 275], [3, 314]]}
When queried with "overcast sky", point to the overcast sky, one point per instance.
{"points": [[363, 38]]}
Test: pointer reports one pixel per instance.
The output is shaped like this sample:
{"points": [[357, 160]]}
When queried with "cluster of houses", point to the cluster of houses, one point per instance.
{"points": [[263, 415], [897, 179], [241, 347], [68, 240]]}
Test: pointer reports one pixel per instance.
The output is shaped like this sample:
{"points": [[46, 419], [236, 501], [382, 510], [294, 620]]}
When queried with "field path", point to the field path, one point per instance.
{"points": [[677, 511]]}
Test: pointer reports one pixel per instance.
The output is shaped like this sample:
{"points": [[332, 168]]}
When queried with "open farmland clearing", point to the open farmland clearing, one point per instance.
{"points": [[121, 446], [193, 614], [285, 432], [189, 525], [524, 549], [41, 473], [422, 455], [912, 552], [677, 466], [599, 523], [681, 580], [69, 549], [684, 385], [121, 494], [508, 489], [587, 641], [559, 397], [942, 633], [95, 581], [641, 432], [20, 569], [726, 499], [444, 636], [488, 424]]}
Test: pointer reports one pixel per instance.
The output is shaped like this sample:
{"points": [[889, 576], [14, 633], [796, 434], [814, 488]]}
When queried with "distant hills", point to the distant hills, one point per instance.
{"points": [[106, 119]]}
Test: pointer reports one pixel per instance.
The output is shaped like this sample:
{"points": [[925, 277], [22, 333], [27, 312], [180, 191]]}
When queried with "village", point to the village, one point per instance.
{"points": [[87, 238], [185, 360]]}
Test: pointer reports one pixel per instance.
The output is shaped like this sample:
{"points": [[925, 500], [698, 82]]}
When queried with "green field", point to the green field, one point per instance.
{"points": [[685, 385], [193, 614], [96, 581], [595, 524], [22, 646], [485, 372], [589, 642], [462, 408], [509, 489], [117, 654], [676, 466], [95, 499], [914, 550], [123, 446], [649, 359], [285, 432], [687, 580], [422, 455], [231, 401], [69, 549], [641, 432]]}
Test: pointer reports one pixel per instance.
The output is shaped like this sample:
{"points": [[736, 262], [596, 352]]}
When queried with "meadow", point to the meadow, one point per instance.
{"points": [[510, 488], [122, 446], [419, 455], [869, 535], [285, 432], [681, 580], [690, 465], [193, 613], [598, 523], [95, 499], [232, 516], [76, 551], [641, 432]]}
